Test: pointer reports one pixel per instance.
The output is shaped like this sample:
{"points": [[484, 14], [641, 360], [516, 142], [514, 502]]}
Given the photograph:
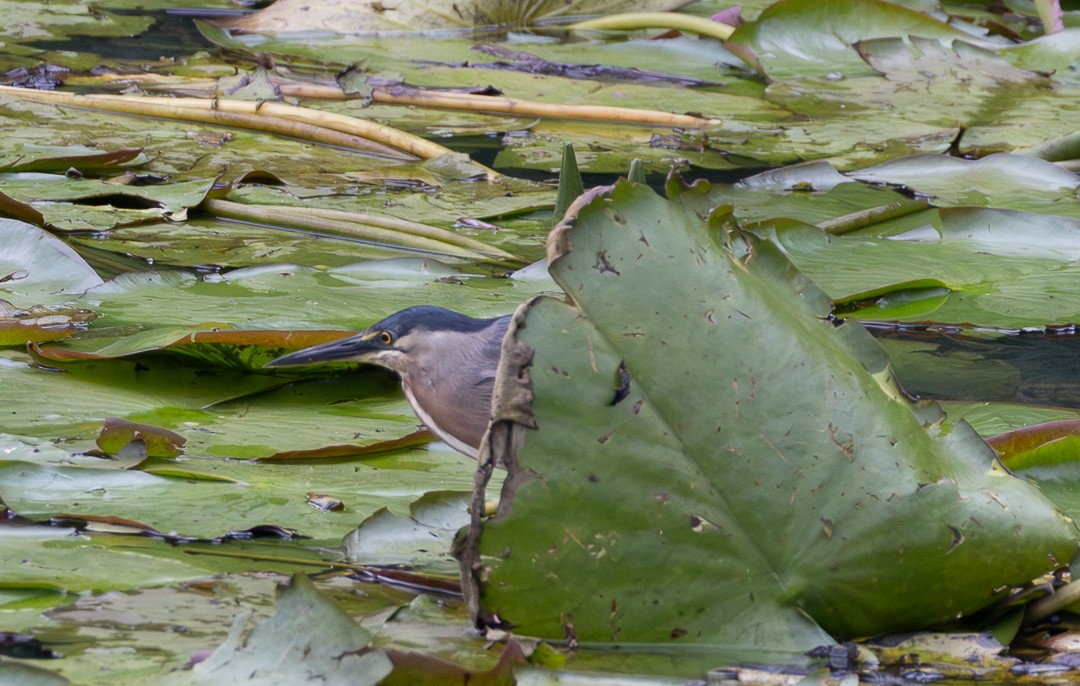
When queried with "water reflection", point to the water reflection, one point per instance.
{"points": [[1041, 368]]}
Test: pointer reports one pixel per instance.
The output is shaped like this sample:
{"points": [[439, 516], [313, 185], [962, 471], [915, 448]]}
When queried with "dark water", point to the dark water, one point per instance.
{"points": [[171, 35], [1038, 368]]}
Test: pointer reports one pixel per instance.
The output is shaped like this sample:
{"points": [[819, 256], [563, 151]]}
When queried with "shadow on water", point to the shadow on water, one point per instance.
{"points": [[1039, 368], [170, 36]]}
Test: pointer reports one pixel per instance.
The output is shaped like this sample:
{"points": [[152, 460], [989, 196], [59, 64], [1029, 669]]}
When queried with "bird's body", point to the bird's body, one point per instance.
{"points": [[446, 362]]}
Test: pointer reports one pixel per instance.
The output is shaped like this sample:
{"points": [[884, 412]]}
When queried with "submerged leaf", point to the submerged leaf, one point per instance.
{"points": [[737, 494], [23, 646], [1005, 181]]}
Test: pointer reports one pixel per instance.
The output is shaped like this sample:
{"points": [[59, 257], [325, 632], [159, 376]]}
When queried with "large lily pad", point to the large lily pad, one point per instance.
{"points": [[716, 462]]}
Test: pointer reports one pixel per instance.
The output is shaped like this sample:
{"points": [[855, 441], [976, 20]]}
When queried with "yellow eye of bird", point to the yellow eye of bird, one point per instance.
{"points": [[386, 338]]}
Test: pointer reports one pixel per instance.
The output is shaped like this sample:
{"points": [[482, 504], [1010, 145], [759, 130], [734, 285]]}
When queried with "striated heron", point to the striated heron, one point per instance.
{"points": [[446, 360]]}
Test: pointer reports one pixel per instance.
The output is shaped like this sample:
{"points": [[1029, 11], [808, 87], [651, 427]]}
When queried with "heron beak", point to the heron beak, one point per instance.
{"points": [[356, 348]]}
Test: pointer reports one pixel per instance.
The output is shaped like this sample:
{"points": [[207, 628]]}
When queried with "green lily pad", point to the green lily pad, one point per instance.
{"points": [[422, 539], [711, 461], [36, 268], [71, 204], [307, 636], [54, 158], [1053, 52], [1001, 267], [803, 38], [919, 60], [1001, 180], [26, 22]]}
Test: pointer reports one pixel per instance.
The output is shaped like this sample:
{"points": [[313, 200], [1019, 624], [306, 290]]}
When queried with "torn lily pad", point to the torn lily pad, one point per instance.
{"points": [[737, 493]]}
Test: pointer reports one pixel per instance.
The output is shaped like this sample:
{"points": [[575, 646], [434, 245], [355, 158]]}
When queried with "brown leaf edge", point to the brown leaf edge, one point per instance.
{"points": [[511, 417], [511, 413]]}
